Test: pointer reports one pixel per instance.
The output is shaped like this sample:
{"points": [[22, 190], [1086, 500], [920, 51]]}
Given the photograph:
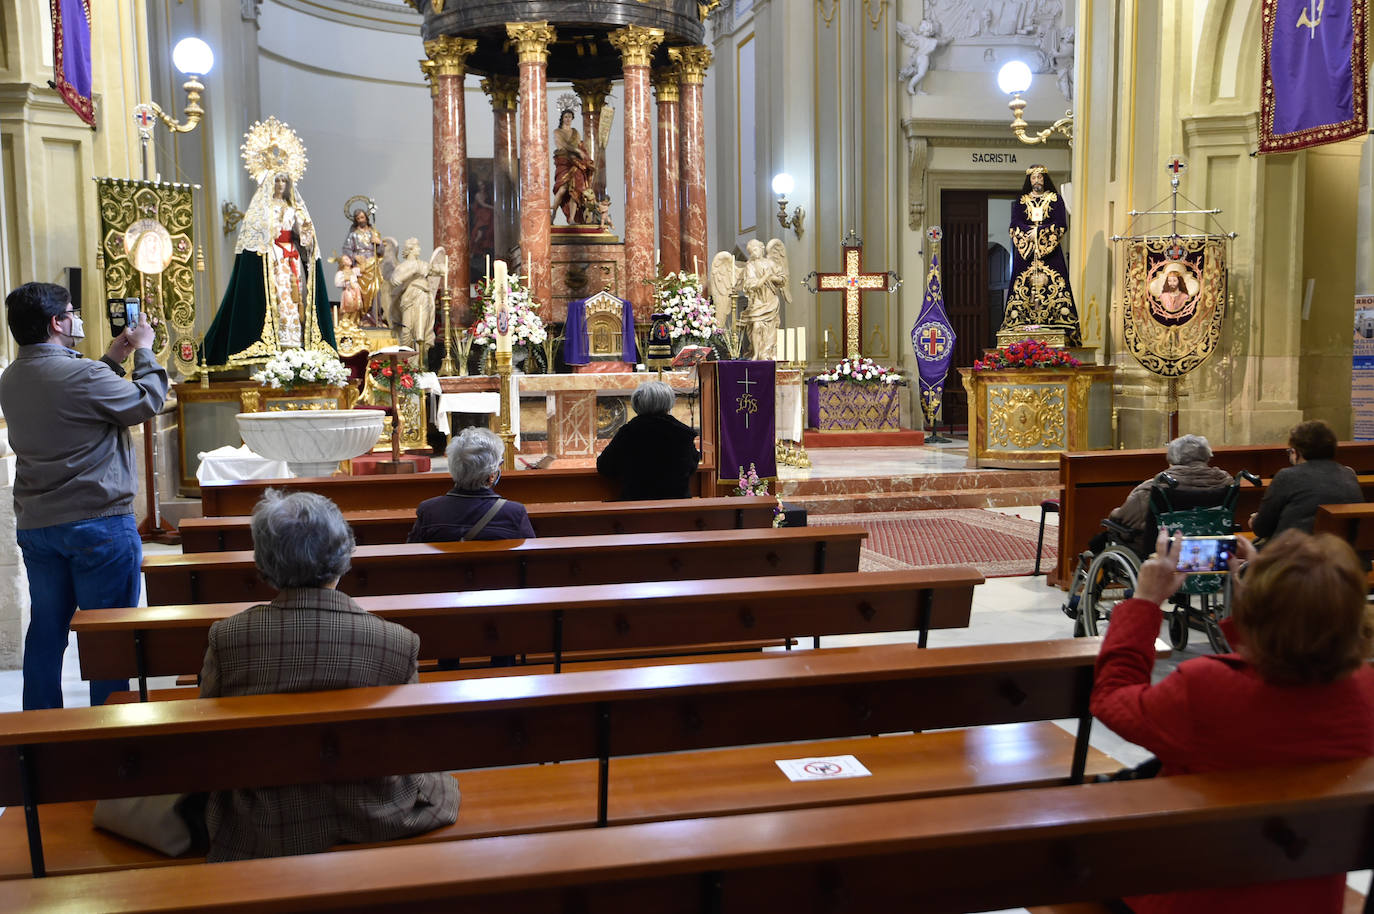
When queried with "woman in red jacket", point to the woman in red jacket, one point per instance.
{"points": [[1297, 689]]}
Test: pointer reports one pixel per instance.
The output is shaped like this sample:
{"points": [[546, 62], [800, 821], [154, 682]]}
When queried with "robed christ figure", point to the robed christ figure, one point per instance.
{"points": [[1040, 293]]}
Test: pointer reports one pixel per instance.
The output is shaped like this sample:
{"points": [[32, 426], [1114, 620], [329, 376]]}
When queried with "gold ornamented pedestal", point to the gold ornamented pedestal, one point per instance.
{"points": [[1023, 418], [1054, 337]]}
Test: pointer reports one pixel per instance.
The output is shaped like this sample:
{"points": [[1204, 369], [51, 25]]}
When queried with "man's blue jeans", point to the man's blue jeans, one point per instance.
{"points": [[93, 564]]}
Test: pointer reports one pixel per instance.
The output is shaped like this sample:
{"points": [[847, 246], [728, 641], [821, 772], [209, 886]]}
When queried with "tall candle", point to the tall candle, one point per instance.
{"points": [[502, 315], [529, 275], [787, 345], [801, 345], [696, 267], [488, 269]]}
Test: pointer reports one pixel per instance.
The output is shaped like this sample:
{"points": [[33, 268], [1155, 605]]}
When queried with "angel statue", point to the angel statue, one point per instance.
{"points": [[723, 283], [277, 297], [764, 281], [922, 42], [413, 311]]}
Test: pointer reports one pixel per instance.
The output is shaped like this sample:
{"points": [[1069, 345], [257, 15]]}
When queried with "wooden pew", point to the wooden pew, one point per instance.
{"points": [[618, 719], [171, 640], [1095, 482], [221, 534], [370, 493], [939, 854], [492, 564], [1352, 523]]}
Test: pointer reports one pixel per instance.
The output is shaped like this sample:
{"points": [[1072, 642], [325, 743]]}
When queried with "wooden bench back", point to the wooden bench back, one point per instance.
{"points": [[1095, 482], [362, 493], [969, 852], [492, 564], [171, 640], [221, 534], [71, 754], [1352, 523]]}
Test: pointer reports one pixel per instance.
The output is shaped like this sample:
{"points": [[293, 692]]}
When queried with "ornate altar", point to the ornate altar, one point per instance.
{"points": [[845, 406], [600, 334], [414, 422], [1022, 418]]}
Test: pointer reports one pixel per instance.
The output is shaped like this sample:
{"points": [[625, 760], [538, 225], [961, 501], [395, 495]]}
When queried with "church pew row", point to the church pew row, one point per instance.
{"points": [[1095, 482], [221, 534], [370, 493], [932, 855], [619, 721], [1352, 523], [171, 640], [494, 564]]}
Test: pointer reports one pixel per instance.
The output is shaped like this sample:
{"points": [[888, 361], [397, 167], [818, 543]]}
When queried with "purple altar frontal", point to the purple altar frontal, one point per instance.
{"points": [[843, 406]]}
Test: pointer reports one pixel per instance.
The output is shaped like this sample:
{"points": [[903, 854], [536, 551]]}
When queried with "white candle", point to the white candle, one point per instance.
{"points": [[786, 345], [529, 275], [657, 260], [791, 344], [499, 307], [488, 269], [696, 267], [801, 344]]}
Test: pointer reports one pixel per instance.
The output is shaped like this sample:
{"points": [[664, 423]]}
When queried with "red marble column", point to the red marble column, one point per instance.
{"points": [[447, 66], [504, 92], [592, 93], [693, 62], [636, 44], [532, 40], [669, 176]]}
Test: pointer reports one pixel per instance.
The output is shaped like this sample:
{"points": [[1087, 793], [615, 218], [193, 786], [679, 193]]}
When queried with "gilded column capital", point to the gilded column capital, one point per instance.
{"points": [[665, 80], [636, 44], [504, 92], [693, 61], [592, 93], [532, 40], [450, 54], [427, 70]]}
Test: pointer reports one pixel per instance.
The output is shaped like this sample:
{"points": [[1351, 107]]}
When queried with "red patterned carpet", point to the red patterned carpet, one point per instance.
{"points": [[998, 545]]}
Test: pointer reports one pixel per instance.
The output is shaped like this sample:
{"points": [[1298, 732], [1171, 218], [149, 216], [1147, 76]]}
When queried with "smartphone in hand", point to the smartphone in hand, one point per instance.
{"points": [[1206, 554]]}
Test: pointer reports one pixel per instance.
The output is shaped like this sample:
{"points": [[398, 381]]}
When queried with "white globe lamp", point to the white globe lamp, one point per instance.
{"points": [[193, 57], [1014, 78]]}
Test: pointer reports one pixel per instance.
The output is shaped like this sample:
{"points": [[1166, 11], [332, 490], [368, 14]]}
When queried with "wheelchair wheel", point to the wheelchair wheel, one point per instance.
{"points": [[1213, 609], [1178, 628], [1075, 595], [1111, 578]]}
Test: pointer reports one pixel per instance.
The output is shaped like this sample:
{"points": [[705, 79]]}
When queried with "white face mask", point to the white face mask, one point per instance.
{"points": [[78, 329]]}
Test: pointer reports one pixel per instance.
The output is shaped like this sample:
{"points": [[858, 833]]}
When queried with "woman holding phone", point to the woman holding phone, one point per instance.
{"points": [[1297, 689]]}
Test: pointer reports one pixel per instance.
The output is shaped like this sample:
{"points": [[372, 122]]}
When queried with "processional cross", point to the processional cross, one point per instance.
{"points": [[853, 282]]}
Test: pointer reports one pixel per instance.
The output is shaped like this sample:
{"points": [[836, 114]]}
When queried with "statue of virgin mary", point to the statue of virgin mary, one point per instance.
{"points": [[277, 297]]}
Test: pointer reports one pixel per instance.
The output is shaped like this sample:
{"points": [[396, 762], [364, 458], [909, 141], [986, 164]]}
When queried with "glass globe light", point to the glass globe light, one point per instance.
{"points": [[783, 183], [1014, 77], [193, 57]]}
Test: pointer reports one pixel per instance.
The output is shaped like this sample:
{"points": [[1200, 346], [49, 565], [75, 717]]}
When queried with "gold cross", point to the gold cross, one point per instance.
{"points": [[853, 282]]}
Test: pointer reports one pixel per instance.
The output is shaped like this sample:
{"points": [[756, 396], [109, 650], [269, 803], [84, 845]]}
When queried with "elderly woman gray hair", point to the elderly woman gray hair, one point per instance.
{"points": [[652, 398], [300, 540], [1188, 449], [474, 457]]}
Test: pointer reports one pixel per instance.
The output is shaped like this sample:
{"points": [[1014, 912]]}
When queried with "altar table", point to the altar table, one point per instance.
{"points": [[849, 407]]}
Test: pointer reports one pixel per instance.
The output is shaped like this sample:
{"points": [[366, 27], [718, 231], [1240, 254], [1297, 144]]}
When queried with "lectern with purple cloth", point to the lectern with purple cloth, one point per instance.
{"points": [[746, 419], [600, 328]]}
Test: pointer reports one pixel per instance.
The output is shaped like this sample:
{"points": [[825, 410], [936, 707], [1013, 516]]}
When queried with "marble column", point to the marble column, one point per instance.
{"points": [[532, 40], [636, 45], [669, 176], [447, 67], [592, 93], [504, 92], [692, 62]]}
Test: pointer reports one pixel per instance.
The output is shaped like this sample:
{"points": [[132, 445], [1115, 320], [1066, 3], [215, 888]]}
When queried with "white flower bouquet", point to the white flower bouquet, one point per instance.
{"points": [[293, 368], [862, 371], [525, 326], [690, 314]]}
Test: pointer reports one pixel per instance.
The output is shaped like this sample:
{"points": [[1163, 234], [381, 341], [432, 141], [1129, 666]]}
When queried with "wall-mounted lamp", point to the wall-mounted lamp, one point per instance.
{"points": [[782, 186], [1015, 79], [194, 59]]}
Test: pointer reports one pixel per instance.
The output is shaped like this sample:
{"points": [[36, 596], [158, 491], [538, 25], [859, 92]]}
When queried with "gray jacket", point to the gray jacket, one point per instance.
{"points": [[68, 420]]}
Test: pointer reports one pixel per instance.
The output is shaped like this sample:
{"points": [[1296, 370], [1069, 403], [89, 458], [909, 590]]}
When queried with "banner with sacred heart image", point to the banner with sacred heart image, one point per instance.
{"points": [[746, 418], [1314, 73], [933, 336]]}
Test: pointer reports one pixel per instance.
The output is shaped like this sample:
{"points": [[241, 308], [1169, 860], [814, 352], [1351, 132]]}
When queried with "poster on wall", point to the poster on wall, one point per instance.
{"points": [[1362, 369]]}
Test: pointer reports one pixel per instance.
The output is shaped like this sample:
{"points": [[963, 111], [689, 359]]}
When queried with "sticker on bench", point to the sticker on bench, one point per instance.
{"points": [[825, 768]]}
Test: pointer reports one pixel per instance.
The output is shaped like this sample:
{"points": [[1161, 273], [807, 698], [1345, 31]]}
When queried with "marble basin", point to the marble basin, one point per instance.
{"points": [[312, 441]]}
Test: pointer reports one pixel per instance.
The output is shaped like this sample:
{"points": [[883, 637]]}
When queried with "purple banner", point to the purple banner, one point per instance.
{"points": [[575, 348], [933, 339], [746, 422], [71, 39], [1313, 73]]}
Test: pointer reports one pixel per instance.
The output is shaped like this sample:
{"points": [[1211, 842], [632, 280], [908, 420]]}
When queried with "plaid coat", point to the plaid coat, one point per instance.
{"points": [[309, 640]]}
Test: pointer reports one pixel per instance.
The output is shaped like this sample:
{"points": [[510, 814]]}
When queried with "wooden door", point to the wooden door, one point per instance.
{"points": [[964, 265]]}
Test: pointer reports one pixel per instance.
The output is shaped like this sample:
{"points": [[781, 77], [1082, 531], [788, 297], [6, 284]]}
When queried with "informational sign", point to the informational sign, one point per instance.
{"points": [[1362, 370], [824, 768]]}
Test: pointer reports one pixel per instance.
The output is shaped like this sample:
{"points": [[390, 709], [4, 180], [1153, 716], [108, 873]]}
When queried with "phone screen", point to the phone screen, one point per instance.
{"points": [[132, 307], [1206, 554]]}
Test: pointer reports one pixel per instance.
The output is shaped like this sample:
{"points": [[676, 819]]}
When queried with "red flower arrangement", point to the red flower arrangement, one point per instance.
{"points": [[382, 376], [1025, 354]]}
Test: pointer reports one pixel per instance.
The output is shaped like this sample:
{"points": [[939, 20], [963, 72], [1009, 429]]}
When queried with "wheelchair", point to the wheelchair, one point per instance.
{"points": [[1101, 581]]}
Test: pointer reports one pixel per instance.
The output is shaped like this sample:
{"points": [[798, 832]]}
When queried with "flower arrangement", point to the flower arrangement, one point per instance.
{"points": [[384, 376], [690, 314], [525, 326], [292, 368], [862, 371], [750, 484], [1025, 354]]}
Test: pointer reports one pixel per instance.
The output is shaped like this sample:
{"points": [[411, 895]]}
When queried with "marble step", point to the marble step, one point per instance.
{"points": [[867, 502]]}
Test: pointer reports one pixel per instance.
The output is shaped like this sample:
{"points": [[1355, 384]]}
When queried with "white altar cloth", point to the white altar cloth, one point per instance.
{"points": [[232, 464], [477, 401]]}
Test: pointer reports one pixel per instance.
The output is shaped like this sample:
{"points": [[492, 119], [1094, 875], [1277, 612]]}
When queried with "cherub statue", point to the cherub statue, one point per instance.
{"points": [[413, 312], [764, 282], [922, 42]]}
